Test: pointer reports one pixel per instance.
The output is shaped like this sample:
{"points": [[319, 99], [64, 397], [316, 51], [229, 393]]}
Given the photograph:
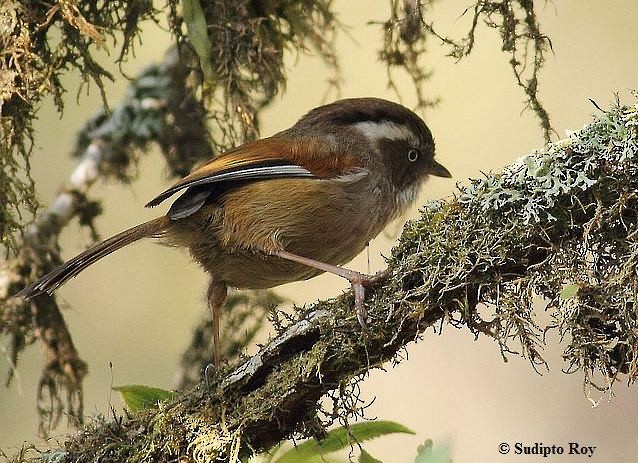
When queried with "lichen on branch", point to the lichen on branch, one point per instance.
{"points": [[562, 216], [561, 224], [39, 41]]}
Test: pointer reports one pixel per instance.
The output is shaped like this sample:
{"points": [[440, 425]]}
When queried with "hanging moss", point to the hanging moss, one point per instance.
{"points": [[560, 224], [42, 40]]}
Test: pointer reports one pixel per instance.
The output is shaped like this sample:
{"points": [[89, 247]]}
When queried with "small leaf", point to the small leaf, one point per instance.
{"points": [[569, 291], [137, 397], [427, 453], [365, 457], [198, 35], [340, 438]]}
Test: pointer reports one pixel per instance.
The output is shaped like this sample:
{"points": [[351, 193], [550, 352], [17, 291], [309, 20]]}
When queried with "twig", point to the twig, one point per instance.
{"points": [[159, 106], [487, 246]]}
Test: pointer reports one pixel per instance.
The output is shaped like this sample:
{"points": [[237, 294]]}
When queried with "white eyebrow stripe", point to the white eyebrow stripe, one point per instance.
{"points": [[375, 131]]}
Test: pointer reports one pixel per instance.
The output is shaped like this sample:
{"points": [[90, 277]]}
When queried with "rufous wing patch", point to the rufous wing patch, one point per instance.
{"points": [[274, 157]]}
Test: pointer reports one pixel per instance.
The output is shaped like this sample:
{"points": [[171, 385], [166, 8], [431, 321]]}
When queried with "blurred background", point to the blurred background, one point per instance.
{"points": [[136, 309]]}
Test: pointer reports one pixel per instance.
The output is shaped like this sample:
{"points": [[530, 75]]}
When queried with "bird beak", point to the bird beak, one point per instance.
{"points": [[438, 170]]}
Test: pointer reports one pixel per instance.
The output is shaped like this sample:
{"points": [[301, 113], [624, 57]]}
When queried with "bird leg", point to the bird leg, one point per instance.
{"points": [[216, 295], [358, 280]]}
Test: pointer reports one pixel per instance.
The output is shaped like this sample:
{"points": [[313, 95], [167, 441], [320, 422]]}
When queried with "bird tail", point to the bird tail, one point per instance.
{"points": [[56, 278]]}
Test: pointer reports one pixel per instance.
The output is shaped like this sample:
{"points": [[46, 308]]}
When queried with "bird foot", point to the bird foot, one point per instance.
{"points": [[357, 280], [210, 370]]}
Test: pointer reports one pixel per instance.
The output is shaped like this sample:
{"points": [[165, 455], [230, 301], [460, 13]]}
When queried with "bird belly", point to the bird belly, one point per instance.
{"points": [[328, 221]]}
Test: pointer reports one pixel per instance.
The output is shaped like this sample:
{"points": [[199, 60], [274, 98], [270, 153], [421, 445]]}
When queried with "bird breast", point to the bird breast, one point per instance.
{"points": [[327, 220]]}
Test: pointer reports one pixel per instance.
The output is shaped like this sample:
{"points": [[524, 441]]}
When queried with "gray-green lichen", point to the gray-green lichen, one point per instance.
{"points": [[530, 187], [562, 217], [560, 224], [39, 41]]}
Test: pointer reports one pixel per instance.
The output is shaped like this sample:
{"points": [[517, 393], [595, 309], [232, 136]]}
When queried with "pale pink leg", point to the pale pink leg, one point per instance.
{"points": [[358, 280], [216, 297]]}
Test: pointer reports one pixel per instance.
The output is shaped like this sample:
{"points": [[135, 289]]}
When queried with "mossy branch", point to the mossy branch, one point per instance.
{"points": [[159, 106], [560, 223], [165, 105]]}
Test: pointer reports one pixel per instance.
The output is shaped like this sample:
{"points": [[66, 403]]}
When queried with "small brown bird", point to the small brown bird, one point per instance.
{"points": [[291, 206]]}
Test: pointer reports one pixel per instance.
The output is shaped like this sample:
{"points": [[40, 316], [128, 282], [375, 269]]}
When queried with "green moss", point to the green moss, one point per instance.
{"points": [[563, 215], [459, 262]]}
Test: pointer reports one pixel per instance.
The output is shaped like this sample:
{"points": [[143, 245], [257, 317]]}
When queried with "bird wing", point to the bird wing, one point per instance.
{"points": [[263, 159]]}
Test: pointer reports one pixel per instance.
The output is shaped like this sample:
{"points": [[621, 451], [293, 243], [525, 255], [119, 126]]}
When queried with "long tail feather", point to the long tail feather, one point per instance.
{"points": [[53, 280]]}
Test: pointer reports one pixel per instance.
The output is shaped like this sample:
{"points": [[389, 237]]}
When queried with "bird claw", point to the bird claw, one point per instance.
{"points": [[209, 371], [359, 282], [359, 303]]}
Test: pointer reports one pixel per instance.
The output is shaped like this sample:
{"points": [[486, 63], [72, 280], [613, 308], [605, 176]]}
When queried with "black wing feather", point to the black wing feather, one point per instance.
{"points": [[250, 173]]}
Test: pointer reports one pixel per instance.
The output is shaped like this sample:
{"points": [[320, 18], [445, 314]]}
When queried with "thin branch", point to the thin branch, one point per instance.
{"points": [[409, 27], [159, 106]]}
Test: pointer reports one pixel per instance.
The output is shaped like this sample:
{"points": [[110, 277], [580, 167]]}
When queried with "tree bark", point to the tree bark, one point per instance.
{"points": [[561, 224]]}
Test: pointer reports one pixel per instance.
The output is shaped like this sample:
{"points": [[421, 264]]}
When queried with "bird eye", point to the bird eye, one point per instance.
{"points": [[413, 155]]}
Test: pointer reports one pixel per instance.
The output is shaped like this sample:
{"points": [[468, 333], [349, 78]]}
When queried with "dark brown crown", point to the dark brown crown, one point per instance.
{"points": [[353, 110]]}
